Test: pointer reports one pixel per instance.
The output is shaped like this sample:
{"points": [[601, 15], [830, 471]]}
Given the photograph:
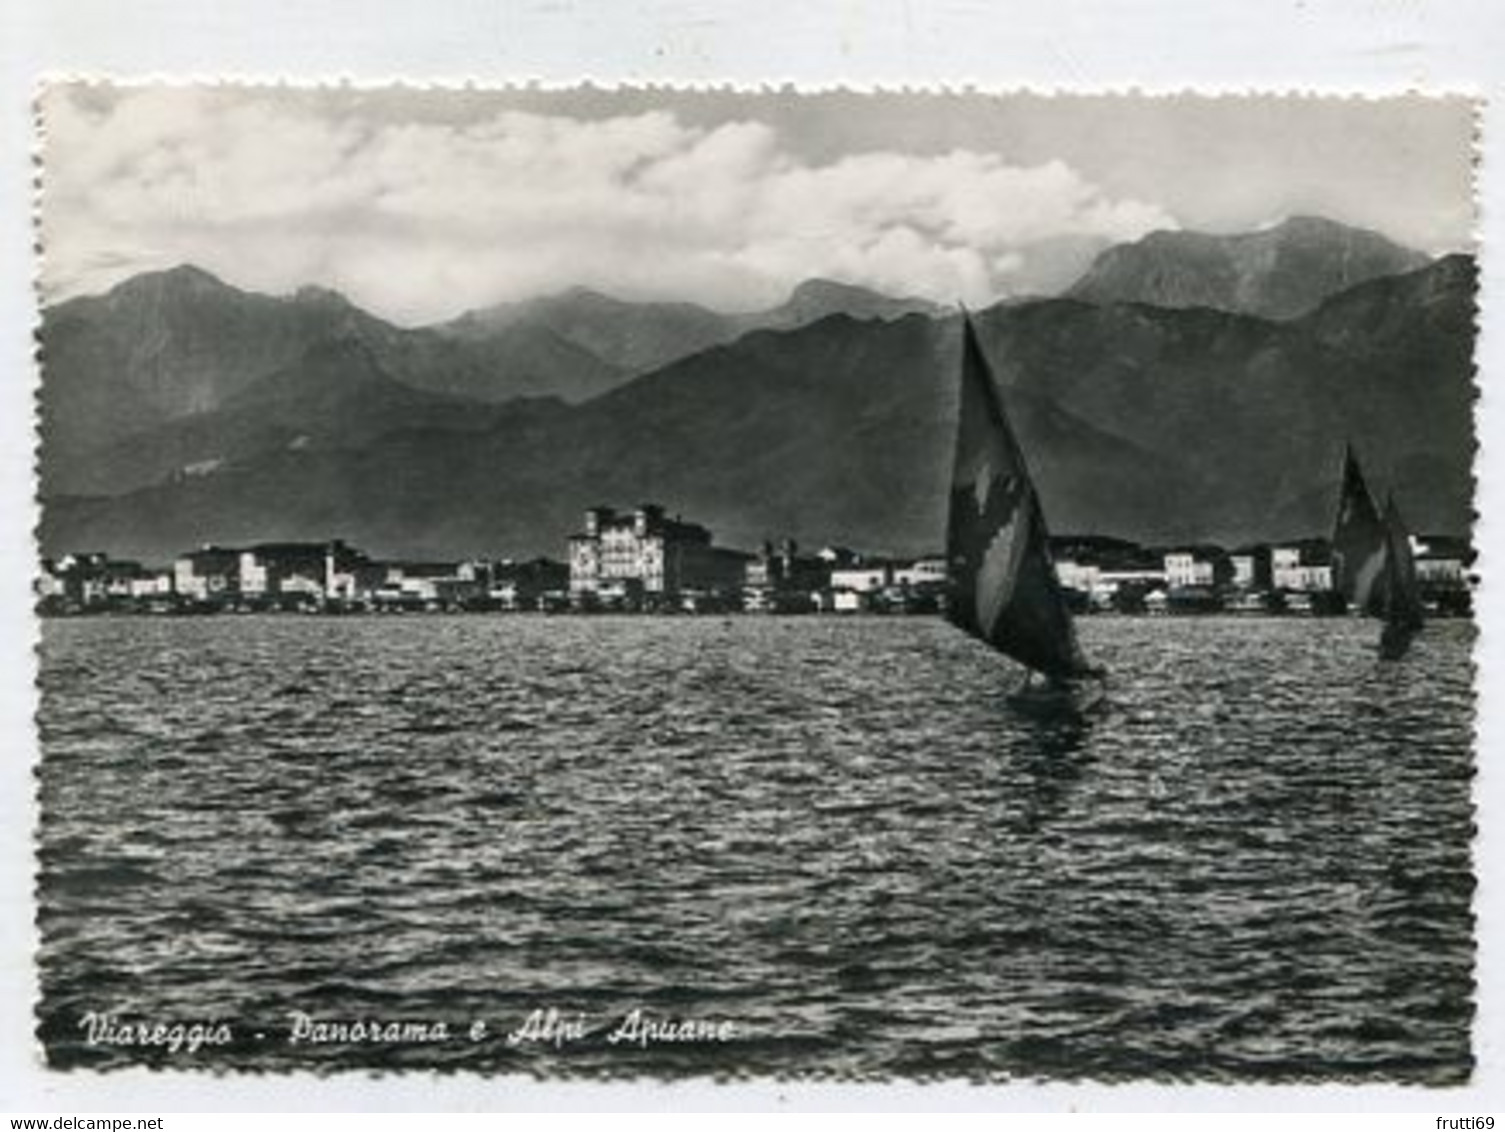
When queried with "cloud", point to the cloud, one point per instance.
{"points": [[421, 219]]}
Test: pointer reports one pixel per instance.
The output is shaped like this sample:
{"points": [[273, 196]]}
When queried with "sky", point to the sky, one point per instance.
{"points": [[422, 204]]}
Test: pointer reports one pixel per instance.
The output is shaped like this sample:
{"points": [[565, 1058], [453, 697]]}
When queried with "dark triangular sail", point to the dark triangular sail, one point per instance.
{"points": [[1005, 589], [1358, 543], [1403, 609]]}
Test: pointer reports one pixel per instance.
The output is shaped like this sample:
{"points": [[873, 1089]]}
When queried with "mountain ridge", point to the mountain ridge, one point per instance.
{"points": [[638, 336], [1280, 272], [840, 431]]}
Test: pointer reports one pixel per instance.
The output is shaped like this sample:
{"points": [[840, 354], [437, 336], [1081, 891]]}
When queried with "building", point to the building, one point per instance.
{"points": [[1112, 573], [83, 577], [1183, 568], [51, 585], [1198, 567], [1195, 579], [645, 557], [211, 573], [1302, 567], [275, 574], [764, 571], [94, 580], [430, 585], [1251, 567], [1082, 576], [349, 576], [920, 586], [1441, 561], [537, 584], [153, 587], [278, 572], [1442, 571], [923, 573], [866, 578], [783, 581]]}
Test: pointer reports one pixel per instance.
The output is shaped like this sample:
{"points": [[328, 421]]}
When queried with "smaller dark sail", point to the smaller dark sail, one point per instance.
{"points": [[1004, 585], [1402, 593], [1358, 543]]}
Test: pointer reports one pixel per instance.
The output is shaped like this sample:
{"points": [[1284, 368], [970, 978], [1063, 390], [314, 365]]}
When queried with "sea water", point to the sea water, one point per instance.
{"points": [[828, 843]]}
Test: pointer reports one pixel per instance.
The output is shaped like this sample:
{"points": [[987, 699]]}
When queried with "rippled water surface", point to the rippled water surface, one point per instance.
{"points": [[1254, 864]]}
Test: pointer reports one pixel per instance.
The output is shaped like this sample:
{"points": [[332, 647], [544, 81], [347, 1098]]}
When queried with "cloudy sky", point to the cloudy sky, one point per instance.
{"points": [[420, 205]]}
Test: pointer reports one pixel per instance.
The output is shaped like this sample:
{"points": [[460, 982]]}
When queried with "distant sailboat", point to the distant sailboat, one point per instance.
{"points": [[1358, 543], [1373, 567], [1402, 604], [1004, 585]]}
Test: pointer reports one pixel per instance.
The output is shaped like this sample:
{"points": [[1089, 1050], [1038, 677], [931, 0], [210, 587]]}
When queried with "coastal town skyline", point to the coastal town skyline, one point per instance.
{"points": [[646, 560]]}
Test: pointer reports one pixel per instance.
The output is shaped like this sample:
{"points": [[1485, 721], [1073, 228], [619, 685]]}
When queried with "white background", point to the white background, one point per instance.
{"points": [[1340, 46]]}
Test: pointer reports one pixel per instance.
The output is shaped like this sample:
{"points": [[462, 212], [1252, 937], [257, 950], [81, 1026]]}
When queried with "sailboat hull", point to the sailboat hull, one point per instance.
{"points": [[1395, 641], [1059, 700]]}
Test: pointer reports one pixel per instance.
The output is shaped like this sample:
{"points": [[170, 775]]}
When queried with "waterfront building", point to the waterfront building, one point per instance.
{"points": [[1304, 567], [1082, 576], [211, 573], [84, 577], [119, 579], [1182, 568], [51, 585], [1111, 573], [645, 556], [349, 576], [152, 586], [1149, 578], [1442, 571], [274, 571], [922, 573], [866, 578], [785, 568], [90, 580], [1121, 587], [1442, 562], [1251, 567], [534, 584], [1197, 566], [783, 581], [762, 575], [430, 585], [919, 586]]}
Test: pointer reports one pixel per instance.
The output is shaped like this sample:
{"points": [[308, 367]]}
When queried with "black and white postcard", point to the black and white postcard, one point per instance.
{"points": [[659, 583]]}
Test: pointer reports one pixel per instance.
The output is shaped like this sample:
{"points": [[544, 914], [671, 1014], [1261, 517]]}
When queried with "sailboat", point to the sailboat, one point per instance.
{"points": [[1402, 604], [1358, 543], [1005, 591], [1373, 567]]}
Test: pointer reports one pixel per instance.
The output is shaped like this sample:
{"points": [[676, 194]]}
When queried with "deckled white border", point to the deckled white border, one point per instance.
{"points": [[1161, 46]]}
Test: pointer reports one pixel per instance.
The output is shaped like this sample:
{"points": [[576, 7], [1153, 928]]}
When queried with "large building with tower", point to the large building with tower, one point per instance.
{"points": [[646, 557]]}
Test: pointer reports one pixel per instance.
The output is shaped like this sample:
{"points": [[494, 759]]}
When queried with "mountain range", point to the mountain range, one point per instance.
{"points": [[1279, 272], [178, 411], [635, 337]]}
